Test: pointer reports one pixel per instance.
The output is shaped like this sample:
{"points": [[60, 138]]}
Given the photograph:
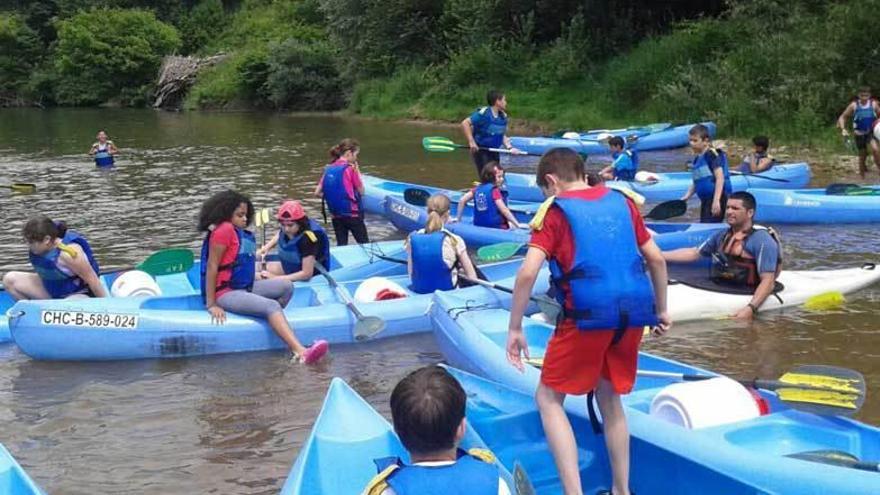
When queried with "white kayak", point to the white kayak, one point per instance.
{"points": [[687, 303]]}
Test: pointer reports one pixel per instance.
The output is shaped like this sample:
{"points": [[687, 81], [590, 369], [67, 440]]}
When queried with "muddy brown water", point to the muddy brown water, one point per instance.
{"points": [[234, 424]]}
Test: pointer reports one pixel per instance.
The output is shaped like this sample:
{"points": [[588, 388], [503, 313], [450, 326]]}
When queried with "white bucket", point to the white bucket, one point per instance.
{"points": [[541, 317], [370, 288], [645, 176], [877, 130], [135, 283], [704, 403], [571, 135]]}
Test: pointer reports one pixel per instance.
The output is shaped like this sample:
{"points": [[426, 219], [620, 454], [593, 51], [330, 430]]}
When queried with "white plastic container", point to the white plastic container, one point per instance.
{"points": [[135, 283], [705, 403], [377, 289]]}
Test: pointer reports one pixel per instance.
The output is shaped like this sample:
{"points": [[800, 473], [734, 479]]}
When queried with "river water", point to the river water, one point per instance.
{"points": [[234, 424]]}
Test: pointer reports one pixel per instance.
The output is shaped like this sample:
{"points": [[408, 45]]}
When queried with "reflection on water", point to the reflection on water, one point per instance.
{"points": [[233, 424]]}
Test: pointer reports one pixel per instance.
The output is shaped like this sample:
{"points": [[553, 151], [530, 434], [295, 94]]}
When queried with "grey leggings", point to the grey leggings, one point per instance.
{"points": [[267, 298]]}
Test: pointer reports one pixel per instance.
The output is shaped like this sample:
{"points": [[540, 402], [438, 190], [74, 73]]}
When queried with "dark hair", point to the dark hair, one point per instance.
{"points": [[616, 141], [747, 199], [427, 407], [565, 163], [487, 173], [303, 224], [762, 141], [864, 89], [221, 206], [594, 179], [700, 131], [346, 144], [492, 96], [37, 228]]}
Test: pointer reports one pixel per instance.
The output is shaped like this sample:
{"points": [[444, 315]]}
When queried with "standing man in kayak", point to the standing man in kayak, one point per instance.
{"points": [[487, 128], [103, 150], [597, 246], [746, 255], [863, 112]]}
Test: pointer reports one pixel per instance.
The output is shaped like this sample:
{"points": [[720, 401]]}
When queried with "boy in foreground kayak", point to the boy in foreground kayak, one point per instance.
{"points": [[711, 176], [596, 243], [427, 408]]}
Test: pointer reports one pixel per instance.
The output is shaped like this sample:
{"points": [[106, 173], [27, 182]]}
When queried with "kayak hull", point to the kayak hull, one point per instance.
{"points": [[673, 137], [674, 185], [13, 479], [814, 206], [741, 457], [348, 434]]}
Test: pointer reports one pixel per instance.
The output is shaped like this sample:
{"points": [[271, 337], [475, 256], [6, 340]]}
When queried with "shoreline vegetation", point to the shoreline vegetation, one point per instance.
{"points": [[783, 68]]}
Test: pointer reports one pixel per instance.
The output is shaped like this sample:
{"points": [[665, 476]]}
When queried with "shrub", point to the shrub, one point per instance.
{"points": [[303, 76]]}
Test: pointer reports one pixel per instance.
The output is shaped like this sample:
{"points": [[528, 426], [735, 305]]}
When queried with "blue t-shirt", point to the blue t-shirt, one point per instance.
{"points": [[759, 245], [624, 168], [489, 129]]}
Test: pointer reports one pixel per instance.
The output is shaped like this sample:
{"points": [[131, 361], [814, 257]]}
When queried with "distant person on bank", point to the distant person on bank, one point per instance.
{"points": [[487, 128]]}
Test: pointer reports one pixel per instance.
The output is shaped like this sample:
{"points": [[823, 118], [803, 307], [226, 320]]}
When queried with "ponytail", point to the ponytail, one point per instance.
{"points": [[346, 144], [438, 207]]}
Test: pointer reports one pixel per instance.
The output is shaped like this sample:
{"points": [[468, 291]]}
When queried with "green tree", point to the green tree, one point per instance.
{"points": [[106, 54], [202, 25], [303, 76], [19, 53]]}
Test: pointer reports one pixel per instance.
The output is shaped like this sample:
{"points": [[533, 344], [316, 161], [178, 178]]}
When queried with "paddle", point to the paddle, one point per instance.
{"points": [[850, 190], [21, 187], [444, 145], [837, 458], [416, 196], [260, 220], [547, 305], [522, 484], [366, 326], [759, 176], [668, 209]]}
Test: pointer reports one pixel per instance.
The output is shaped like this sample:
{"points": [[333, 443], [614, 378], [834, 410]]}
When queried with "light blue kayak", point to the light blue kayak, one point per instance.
{"points": [[673, 185], [348, 434], [650, 138], [171, 327], [13, 479], [815, 206], [409, 218], [747, 456], [353, 262]]}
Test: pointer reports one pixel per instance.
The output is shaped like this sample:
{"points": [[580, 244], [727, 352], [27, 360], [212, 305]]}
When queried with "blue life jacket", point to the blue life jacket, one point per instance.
{"points": [[625, 169], [288, 251], [864, 117], [337, 198], [486, 213], [57, 283], [429, 270], [243, 268], [746, 169], [608, 284], [469, 475], [489, 130], [704, 178], [103, 158]]}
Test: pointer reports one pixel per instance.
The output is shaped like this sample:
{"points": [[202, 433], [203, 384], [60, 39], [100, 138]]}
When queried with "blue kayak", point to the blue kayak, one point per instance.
{"points": [[746, 456], [179, 326], [348, 434], [650, 138], [673, 185], [13, 479], [354, 262], [815, 206], [409, 218]]}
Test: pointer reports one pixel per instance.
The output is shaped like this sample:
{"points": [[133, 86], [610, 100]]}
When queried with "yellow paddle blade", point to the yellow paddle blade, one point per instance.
{"points": [[265, 214], [825, 301], [67, 249], [537, 362], [819, 397], [836, 384]]}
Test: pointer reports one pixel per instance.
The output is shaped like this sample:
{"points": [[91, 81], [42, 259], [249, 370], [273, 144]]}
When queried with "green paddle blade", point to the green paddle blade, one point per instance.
{"points": [[416, 196], [499, 252], [668, 209], [439, 144], [23, 187], [840, 188], [168, 261], [825, 301]]}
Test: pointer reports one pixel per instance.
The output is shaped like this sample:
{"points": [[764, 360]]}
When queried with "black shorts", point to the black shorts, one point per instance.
{"points": [[343, 225], [863, 140], [482, 157], [706, 215]]}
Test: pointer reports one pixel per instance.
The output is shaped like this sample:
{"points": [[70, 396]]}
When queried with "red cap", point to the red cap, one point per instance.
{"points": [[290, 210]]}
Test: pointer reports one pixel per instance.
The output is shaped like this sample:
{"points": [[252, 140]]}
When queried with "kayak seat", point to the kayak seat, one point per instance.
{"points": [[177, 284], [303, 297], [179, 303], [777, 434]]}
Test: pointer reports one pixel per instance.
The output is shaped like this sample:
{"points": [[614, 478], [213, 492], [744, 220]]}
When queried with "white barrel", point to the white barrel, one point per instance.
{"points": [[705, 403], [877, 130], [542, 317], [645, 176], [571, 135], [135, 283], [378, 288]]}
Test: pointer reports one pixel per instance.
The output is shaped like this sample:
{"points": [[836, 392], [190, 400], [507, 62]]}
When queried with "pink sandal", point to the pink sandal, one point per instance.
{"points": [[314, 353]]}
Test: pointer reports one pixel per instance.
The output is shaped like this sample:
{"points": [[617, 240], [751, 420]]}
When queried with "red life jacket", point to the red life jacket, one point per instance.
{"points": [[741, 267]]}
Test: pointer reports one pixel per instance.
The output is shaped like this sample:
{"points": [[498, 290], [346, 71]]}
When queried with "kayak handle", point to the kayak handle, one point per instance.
{"points": [[868, 266]]}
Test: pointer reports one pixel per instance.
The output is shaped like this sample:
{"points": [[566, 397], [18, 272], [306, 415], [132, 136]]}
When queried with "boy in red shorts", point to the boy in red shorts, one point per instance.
{"points": [[597, 245]]}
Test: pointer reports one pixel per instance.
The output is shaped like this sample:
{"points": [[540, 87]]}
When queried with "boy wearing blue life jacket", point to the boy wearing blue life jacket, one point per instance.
{"points": [[759, 160], [427, 409], [103, 150], [490, 200], [301, 243], [63, 262], [863, 113], [711, 176], [625, 162], [486, 128]]}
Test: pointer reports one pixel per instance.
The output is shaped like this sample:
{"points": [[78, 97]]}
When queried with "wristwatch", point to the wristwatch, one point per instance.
{"points": [[754, 308]]}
